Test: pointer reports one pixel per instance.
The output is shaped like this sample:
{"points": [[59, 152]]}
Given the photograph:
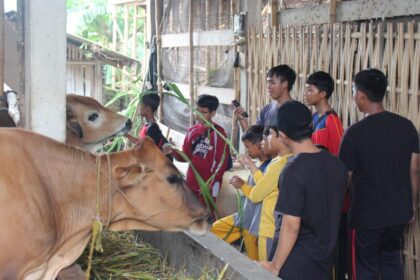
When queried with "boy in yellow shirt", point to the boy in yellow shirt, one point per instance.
{"points": [[231, 228], [265, 190]]}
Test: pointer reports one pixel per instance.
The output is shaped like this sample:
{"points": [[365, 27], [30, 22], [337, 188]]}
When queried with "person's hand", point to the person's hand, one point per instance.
{"points": [[237, 112], [167, 149], [247, 162], [269, 266], [236, 182]]}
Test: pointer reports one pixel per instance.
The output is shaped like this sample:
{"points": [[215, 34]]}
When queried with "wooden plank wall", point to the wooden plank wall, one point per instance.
{"points": [[343, 49], [81, 73]]}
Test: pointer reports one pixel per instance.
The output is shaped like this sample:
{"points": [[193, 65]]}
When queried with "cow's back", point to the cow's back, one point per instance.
{"points": [[27, 197]]}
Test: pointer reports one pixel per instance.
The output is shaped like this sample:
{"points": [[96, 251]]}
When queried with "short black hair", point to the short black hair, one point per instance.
{"points": [[295, 120], [208, 101], [273, 127], [253, 134], [322, 81], [372, 82], [152, 100], [283, 72]]}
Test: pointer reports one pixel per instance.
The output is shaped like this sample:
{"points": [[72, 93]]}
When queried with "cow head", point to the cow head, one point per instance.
{"points": [[154, 195], [89, 124]]}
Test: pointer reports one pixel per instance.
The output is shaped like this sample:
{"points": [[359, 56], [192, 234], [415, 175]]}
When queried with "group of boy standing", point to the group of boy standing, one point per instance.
{"points": [[309, 175]]}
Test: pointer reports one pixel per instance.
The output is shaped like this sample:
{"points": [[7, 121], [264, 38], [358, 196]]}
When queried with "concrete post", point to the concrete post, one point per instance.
{"points": [[45, 67]]}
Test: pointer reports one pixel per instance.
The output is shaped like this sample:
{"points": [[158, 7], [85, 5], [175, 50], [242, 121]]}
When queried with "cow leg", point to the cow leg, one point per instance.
{"points": [[73, 272]]}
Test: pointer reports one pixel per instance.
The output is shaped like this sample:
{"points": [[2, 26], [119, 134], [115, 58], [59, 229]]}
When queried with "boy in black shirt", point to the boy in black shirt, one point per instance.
{"points": [[149, 105], [382, 154], [311, 194]]}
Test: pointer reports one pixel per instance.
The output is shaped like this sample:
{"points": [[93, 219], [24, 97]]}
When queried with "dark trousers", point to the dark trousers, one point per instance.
{"points": [[341, 259], [377, 253]]}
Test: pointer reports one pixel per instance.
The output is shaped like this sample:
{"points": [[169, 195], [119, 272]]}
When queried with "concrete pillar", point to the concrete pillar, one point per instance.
{"points": [[45, 67]]}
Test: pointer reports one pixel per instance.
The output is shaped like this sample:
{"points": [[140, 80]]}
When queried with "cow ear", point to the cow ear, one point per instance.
{"points": [[75, 127], [126, 175]]}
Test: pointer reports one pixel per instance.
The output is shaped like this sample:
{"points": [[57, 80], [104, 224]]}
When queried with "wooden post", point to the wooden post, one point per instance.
{"points": [[5, 119], [333, 11], [1, 47], [158, 18], [273, 12], [114, 40], [191, 78], [333, 16]]}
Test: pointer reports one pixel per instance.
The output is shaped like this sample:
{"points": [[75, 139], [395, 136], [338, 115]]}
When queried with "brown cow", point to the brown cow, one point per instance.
{"points": [[89, 124], [48, 196]]}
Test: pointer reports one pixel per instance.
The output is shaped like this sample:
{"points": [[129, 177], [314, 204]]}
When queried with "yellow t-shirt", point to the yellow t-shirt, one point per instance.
{"points": [[266, 191]]}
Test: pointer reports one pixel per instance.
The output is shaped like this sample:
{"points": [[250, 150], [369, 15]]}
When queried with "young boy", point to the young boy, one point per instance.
{"points": [[312, 189], [327, 127], [205, 148], [382, 154], [148, 107], [265, 190], [280, 81], [327, 132], [229, 228]]}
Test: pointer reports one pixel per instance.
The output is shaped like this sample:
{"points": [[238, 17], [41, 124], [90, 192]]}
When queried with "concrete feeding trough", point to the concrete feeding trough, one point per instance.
{"points": [[198, 253]]}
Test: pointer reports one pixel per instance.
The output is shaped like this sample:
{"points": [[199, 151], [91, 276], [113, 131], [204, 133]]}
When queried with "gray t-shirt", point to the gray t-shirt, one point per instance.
{"points": [[268, 114]]}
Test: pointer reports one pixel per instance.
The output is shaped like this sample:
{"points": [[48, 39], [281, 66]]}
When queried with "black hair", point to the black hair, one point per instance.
{"points": [[283, 72], [322, 81], [295, 120], [152, 100], [253, 134], [373, 83], [208, 101], [273, 127]]}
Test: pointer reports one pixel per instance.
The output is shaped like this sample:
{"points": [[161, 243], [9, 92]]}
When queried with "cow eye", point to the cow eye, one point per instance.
{"points": [[174, 179], [93, 117]]}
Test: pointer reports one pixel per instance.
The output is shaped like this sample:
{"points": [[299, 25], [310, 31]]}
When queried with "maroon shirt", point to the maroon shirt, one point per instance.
{"points": [[205, 149]]}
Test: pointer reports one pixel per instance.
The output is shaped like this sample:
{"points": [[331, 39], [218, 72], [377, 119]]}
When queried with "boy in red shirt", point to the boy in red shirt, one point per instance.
{"points": [[327, 127], [205, 148]]}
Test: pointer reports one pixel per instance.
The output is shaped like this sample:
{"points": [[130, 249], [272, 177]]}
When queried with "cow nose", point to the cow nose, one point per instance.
{"points": [[129, 124]]}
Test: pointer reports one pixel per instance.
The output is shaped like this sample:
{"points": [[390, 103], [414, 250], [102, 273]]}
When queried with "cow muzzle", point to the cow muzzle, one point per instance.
{"points": [[199, 226]]}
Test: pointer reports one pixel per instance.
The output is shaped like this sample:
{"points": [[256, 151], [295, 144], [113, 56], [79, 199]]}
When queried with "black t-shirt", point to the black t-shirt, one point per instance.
{"points": [[312, 187], [378, 151], [155, 133]]}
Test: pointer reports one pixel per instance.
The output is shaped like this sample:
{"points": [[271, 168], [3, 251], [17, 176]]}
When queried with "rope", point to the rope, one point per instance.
{"points": [[97, 226]]}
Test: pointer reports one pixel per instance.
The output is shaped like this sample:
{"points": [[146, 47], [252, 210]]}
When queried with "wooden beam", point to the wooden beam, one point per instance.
{"points": [[205, 38], [158, 17], [333, 11], [191, 68], [350, 11], [225, 95], [273, 5]]}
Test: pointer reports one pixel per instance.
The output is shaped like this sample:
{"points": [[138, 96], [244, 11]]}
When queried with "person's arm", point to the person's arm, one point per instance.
{"points": [[168, 149], [289, 232], [243, 122], [414, 173], [335, 133], [265, 183]]}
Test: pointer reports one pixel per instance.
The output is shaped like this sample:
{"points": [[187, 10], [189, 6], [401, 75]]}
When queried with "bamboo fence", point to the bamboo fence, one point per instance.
{"points": [[343, 49]]}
